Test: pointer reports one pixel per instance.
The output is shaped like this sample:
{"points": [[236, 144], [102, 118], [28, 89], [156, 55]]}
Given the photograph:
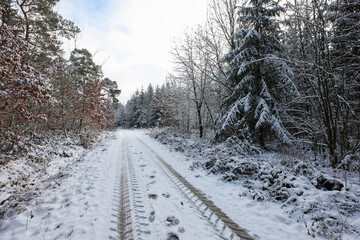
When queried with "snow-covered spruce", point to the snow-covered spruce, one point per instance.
{"points": [[259, 79]]}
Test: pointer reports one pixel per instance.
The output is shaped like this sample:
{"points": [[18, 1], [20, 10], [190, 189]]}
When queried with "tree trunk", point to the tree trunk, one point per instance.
{"points": [[201, 128]]}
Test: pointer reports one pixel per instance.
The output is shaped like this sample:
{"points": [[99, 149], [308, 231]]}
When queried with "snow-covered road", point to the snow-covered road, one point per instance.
{"points": [[167, 204], [129, 187]]}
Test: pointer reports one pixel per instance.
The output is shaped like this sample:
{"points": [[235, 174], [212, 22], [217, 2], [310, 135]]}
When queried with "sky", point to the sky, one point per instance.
{"points": [[132, 39]]}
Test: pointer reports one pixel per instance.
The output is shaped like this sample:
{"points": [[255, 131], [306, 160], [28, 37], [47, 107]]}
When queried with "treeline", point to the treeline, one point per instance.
{"points": [[268, 74], [149, 108], [40, 91]]}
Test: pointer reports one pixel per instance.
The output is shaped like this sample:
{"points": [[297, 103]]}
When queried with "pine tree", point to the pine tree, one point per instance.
{"points": [[259, 78], [42, 27], [112, 91], [158, 105], [150, 113]]}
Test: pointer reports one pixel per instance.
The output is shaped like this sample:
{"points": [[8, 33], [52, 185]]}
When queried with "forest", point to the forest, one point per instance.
{"points": [[264, 94], [41, 92], [256, 70], [273, 75]]}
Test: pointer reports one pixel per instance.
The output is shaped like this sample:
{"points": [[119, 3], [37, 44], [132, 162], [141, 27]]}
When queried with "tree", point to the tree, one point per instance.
{"points": [[84, 80], [39, 90], [120, 116], [222, 15], [132, 112], [345, 55], [191, 67], [41, 26], [22, 89], [322, 40], [111, 91], [82, 71], [150, 112], [259, 78]]}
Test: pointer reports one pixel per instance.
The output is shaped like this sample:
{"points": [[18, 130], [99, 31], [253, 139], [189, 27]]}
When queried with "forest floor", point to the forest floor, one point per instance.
{"points": [[129, 186]]}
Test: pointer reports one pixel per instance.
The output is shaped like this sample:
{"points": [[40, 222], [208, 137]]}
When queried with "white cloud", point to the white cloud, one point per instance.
{"points": [[134, 36]]}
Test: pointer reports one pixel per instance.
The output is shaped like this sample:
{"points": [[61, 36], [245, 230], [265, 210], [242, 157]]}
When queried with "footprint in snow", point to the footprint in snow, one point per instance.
{"points": [[149, 184], [153, 196], [166, 195], [172, 220], [152, 216], [172, 236]]}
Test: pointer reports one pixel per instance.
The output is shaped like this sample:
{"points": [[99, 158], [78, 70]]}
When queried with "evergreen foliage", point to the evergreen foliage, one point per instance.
{"points": [[141, 111], [259, 79]]}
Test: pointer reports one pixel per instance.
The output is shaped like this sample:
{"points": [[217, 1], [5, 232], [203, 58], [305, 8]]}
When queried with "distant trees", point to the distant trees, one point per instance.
{"points": [[39, 90], [86, 81], [87, 100], [141, 110], [111, 92]]}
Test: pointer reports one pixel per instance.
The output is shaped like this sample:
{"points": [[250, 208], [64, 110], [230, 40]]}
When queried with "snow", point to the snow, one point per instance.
{"points": [[262, 112], [241, 104], [169, 203], [80, 198], [79, 206], [301, 189], [263, 219]]}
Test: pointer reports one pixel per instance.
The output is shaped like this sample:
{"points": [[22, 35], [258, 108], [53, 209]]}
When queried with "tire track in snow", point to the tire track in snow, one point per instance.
{"points": [[137, 201], [214, 215], [131, 208], [124, 217]]}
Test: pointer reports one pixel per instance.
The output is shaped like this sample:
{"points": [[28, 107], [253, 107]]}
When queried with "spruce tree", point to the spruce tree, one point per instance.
{"points": [[150, 112], [259, 79]]}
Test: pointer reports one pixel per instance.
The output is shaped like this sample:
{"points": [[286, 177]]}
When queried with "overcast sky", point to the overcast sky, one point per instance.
{"points": [[132, 38]]}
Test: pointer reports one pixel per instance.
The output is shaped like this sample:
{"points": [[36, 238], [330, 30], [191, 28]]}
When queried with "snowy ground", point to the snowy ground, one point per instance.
{"points": [[84, 202], [305, 190], [262, 220], [78, 205]]}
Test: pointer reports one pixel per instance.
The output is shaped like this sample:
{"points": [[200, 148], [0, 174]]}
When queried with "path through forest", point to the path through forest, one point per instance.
{"points": [[131, 187]]}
